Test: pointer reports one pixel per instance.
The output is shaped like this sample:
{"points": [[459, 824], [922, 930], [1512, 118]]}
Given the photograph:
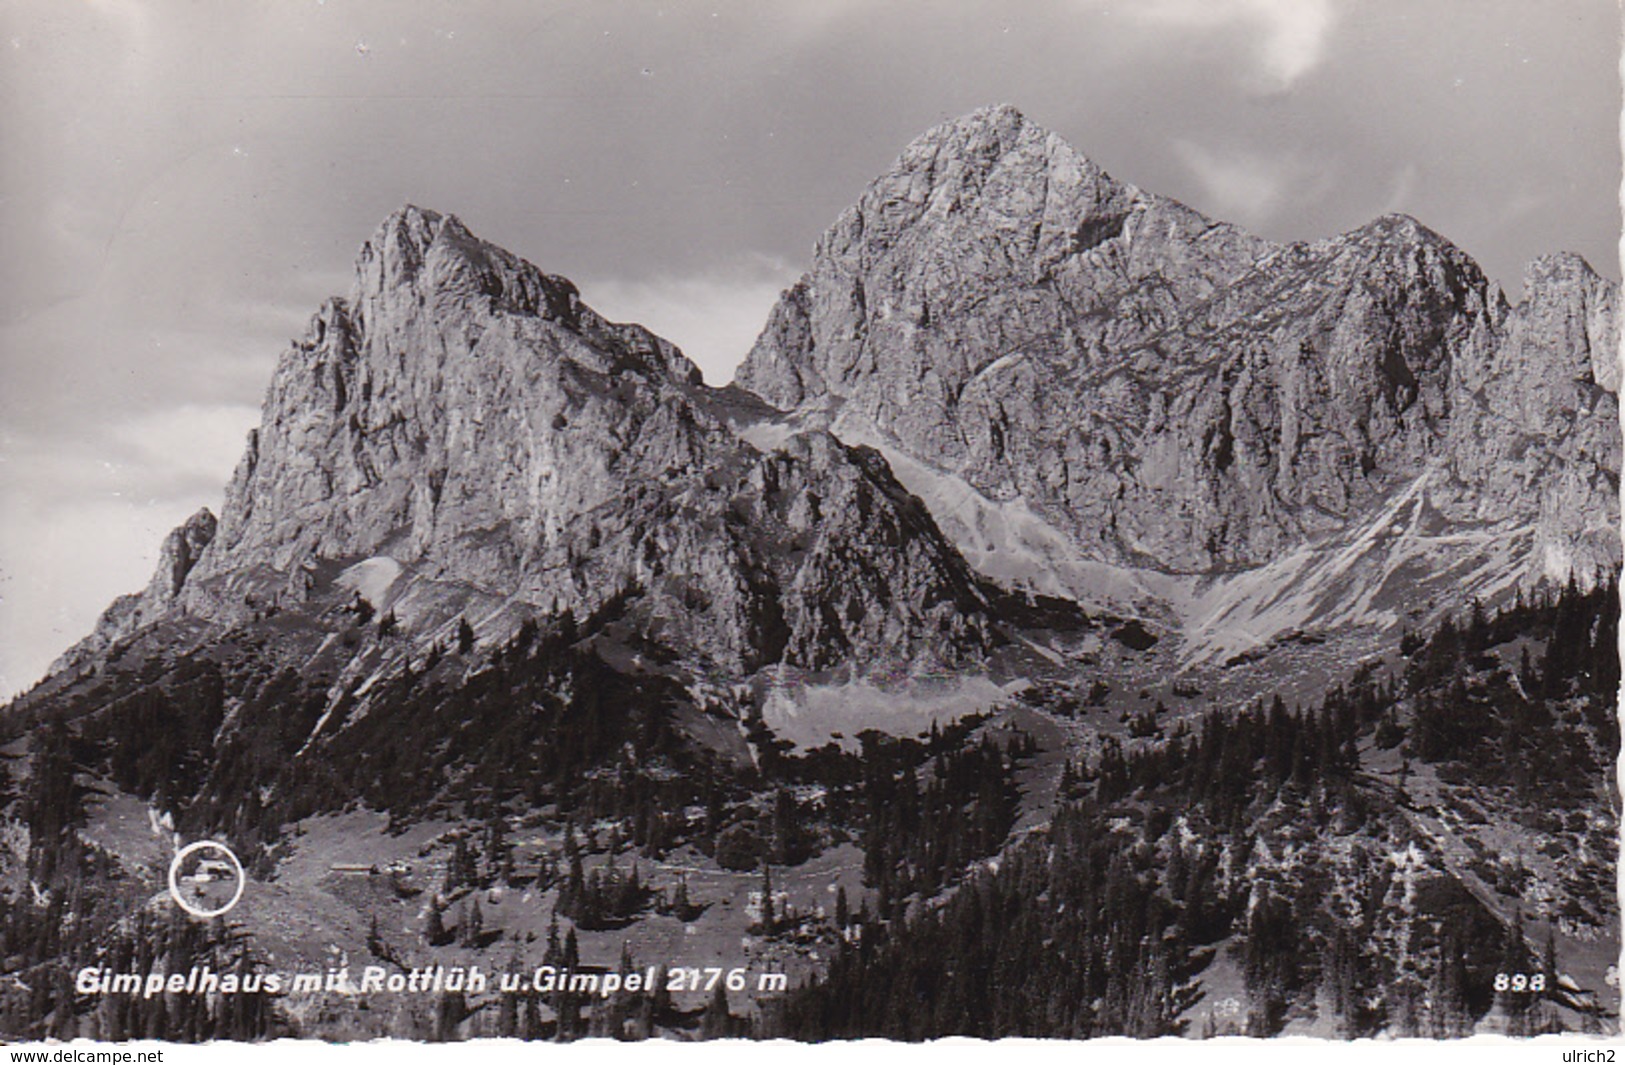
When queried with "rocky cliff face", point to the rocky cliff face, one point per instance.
{"points": [[1087, 384], [1536, 428], [1173, 394], [465, 420]]}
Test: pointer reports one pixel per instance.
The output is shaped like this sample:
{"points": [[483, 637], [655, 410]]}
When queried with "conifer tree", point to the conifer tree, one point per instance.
{"points": [[767, 900], [435, 930], [717, 1021]]}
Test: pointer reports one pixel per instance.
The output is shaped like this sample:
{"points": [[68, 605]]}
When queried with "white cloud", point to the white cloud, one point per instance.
{"points": [[713, 317], [189, 444], [83, 519], [1291, 35], [1522, 204], [1402, 191], [1243, 186], [61, 564]]}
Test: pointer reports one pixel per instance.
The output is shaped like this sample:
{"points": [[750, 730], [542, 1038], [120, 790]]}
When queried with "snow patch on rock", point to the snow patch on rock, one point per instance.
{"points": [[811, 715], [1012, 544], [372, 578]]}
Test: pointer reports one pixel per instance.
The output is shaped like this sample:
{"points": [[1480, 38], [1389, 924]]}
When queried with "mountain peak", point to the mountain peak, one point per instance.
{"points": [[1000, 112], [406, 234], [1570, 312], [962, 152], [1399, 229], [1559, 268], [410, 217], [994, 293], [970, 237], [994, 118], [419, 256], [464, 424]]}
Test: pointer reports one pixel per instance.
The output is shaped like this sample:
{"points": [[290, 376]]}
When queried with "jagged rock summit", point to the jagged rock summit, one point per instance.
{"points": [[1004, 367], [1155, 391], [461, 435]]}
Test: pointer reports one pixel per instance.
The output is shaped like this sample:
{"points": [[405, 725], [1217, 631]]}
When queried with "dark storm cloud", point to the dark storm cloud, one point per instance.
{"points": [[182, 183]]}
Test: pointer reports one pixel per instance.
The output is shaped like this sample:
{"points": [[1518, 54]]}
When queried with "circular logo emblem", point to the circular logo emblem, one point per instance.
{"points": [[205, 879]]}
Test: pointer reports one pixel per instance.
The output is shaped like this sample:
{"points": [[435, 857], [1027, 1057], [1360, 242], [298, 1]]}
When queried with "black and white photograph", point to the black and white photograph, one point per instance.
{"points": [[814, 520]]}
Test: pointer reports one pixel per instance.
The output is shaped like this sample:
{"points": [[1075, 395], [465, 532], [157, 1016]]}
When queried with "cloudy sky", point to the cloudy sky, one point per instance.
{"points": [[183, 182]]}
